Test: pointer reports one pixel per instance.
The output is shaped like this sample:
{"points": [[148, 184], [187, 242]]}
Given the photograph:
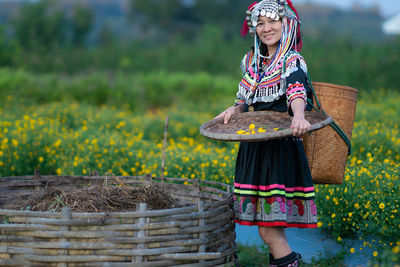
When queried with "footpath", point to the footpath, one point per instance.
{"points": [[310, 243]]}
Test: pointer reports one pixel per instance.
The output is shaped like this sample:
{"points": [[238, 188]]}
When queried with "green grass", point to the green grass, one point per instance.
{"points": [[73, 125]]}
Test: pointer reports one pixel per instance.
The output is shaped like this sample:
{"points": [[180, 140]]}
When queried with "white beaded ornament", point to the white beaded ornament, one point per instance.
{"points": [[274, 9]]}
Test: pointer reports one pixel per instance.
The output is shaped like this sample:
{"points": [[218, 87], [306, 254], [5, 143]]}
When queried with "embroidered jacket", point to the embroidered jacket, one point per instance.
{"points": [[289, 81]]}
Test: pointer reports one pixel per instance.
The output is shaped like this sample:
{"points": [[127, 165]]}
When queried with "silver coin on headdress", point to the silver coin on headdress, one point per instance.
{"points": [[274, 9]]}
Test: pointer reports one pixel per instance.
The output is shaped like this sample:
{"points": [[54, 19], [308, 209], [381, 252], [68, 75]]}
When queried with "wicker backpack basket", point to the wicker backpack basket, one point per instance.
{"points": [[326, 150]]}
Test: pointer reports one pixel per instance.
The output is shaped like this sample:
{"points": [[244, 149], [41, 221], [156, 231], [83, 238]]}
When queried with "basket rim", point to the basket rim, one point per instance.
{"points": [[225, 195], [259, 136], [338, 86]]}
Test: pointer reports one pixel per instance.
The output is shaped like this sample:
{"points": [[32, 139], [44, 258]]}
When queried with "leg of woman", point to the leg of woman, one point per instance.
{"points": [[275, 238], [281, 254]]}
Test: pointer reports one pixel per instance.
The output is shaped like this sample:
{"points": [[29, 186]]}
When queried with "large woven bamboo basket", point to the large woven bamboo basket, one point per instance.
{"points": [[326, 151], [201, 233]]}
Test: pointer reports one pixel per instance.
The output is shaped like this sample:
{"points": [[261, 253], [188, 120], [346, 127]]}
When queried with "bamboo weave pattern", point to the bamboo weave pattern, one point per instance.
{"points": [[200, 233]]}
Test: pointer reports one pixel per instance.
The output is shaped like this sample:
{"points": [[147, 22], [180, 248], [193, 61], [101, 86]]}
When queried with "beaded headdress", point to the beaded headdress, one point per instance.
{"points": [[277, 10]]}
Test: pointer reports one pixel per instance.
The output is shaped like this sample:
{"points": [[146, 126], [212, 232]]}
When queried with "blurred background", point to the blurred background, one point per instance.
{"points": [[345, 42]]}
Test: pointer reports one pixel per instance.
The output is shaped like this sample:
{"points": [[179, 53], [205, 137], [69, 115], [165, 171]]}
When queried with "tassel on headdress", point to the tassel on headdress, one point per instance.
{"points": [[298, 36]]}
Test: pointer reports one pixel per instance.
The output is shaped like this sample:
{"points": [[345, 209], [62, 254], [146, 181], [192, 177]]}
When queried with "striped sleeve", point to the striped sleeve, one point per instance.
{"points": [[296, 78]]}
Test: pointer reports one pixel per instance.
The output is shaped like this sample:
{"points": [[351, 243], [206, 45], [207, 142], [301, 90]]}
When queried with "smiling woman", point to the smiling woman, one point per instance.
{"points": [[273, 186], [269, 31]]}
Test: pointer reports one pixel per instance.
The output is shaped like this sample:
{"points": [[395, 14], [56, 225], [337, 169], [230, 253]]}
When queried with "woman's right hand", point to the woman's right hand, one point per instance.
{"points": [[227, 114]]}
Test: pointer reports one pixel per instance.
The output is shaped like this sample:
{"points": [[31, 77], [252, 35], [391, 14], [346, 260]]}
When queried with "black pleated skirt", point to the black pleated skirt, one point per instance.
{"points": [[273, 185]]}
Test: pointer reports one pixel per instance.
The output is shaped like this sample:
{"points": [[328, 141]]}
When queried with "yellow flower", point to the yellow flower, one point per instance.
{"points": [[252, 126], [41, 159], [276, 129], [396, 250], [241, 132], [339, 239], [352, 250], [382, 206], [261, 130], [357, 205], [333, 215], [350, 214], [375, 253], [319, 224], [57, 143]]}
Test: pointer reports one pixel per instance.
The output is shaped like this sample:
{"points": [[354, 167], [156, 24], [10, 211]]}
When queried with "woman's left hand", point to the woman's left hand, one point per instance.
{"points": [[300, 126]]}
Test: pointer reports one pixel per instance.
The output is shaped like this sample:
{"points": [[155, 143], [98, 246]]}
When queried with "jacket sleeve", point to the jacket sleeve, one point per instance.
{"points": [[296, 80]]}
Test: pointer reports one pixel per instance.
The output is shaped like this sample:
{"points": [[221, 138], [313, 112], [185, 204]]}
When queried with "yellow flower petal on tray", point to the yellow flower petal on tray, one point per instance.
{"points": [[253, 132], [276, 129], [261, 130], [252, 126], [241, 132]]}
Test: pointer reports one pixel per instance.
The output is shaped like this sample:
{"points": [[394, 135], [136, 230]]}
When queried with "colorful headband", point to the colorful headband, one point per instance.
{"points": [[274, 9]]}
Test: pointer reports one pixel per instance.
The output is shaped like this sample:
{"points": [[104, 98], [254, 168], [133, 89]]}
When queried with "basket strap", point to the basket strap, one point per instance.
{"points": [[318, 108], [333, 124]]}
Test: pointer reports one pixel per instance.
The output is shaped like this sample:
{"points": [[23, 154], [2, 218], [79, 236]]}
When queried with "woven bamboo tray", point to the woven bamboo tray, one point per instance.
{"points": [[275, 124], [201, 233]]}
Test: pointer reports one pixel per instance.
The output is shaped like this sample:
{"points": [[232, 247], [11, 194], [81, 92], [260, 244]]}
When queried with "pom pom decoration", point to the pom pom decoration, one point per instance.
{"points": [[245, 28]]}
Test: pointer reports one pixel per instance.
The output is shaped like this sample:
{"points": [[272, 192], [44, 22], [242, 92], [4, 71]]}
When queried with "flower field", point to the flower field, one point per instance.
{"points": [[73, 138]]}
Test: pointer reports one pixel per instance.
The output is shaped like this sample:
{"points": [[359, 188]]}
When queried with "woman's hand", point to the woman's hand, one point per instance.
{"points": [[300, 126], [227, 114]]}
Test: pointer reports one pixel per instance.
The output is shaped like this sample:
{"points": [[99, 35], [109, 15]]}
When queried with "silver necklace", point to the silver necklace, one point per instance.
{"points": [[267, 57]]}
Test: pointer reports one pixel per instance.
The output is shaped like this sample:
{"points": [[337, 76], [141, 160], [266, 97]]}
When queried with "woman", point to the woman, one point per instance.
{"points": [[273, 186]]}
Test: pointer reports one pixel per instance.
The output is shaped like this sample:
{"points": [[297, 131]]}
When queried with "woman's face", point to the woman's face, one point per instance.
{"points": [[269, 31]]}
